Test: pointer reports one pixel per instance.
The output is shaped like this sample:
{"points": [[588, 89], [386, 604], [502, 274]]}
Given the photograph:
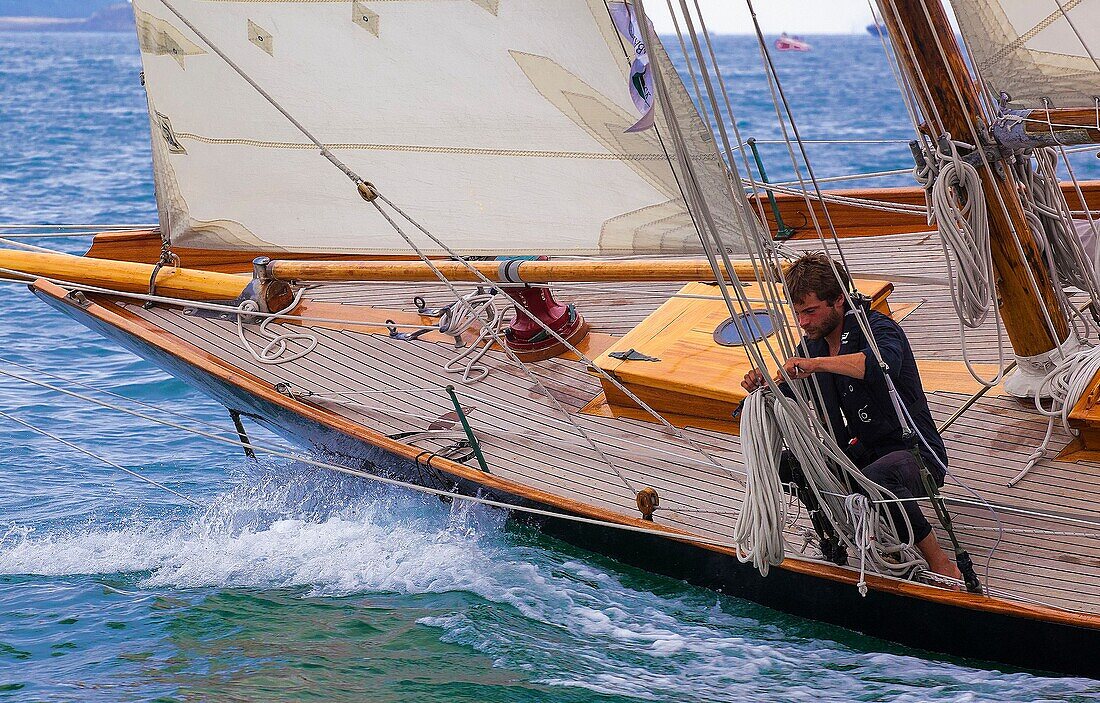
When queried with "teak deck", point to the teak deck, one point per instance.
{"points": [[597, 457], [527, 439]]}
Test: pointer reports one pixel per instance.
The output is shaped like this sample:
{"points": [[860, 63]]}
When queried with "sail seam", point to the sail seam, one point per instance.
{"points": [[474, 151], [1031, 33]]}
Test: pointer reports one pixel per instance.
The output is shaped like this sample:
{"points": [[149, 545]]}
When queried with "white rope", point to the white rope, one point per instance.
{"points": [[476, 307], [814, 456], [958, 209], [959, 212], [758, 531], [1070, 379], [766, 424], [859, 512], [273, 352], [11, 242]]}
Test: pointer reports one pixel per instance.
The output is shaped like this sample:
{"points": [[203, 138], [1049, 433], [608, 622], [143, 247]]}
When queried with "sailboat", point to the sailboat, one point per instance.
{"points": [[529, 266]]}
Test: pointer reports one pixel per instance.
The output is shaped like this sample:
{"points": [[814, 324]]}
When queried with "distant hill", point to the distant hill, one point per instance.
{"points": [[70, 9], [112, 17]]}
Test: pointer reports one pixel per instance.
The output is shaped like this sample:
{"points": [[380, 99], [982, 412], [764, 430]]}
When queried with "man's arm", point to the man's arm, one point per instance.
{"points": [[851, 365]]}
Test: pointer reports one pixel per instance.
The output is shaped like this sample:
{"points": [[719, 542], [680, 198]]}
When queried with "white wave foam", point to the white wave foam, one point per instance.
{"points": [[567, 622]]}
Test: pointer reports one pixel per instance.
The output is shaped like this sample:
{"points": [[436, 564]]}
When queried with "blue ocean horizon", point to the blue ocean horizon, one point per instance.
{"points": [[292, 584]]}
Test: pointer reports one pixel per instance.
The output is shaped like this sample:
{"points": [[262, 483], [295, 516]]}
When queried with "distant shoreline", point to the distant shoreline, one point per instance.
{"points": [[115, 18]]}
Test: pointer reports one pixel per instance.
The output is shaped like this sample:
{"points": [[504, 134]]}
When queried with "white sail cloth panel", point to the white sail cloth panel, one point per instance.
{"points": [[496, 124], [1035, 49]]}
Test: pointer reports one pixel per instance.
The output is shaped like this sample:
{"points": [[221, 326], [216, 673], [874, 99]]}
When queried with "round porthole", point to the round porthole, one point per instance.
{"points": [[757, 325]]}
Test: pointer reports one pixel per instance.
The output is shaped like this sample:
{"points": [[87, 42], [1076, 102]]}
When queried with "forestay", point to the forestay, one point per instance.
{"points": [[499, 125], [1035, 49]]}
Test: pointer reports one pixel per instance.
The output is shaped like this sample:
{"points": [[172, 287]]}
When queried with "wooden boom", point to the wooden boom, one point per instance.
{"points": [[511, 271], [126, 276], [1025, 129]]}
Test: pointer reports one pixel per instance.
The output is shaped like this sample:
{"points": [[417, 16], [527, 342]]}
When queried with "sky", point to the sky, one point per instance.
{"points": [[793, 16]]}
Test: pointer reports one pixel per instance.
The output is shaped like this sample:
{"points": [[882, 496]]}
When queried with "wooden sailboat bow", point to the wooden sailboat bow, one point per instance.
{"points": [[934, 65]]}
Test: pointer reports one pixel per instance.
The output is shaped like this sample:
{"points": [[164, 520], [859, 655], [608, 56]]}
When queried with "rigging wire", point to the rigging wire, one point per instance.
{"points": [[97, 457]]}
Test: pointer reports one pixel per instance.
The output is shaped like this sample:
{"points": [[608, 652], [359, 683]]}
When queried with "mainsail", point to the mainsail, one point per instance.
{"points": [[1035, 51], [499, 125]]}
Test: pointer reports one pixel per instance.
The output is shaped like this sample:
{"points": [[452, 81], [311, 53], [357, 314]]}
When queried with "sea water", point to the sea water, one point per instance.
{"points": [[292, 584]]}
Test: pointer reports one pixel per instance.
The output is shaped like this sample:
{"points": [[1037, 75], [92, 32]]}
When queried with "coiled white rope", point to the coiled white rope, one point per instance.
{"points": [[1067, 382], [476, 307], [758, 532], [959, 211], [766, 424], [963, 224], [273, 351]]}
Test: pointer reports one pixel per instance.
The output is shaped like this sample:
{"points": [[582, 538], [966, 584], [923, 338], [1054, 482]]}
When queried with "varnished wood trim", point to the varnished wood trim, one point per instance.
{"points": [[851, 221], [600, 407], [190, 284], [558, 271], [104, 310], [1078, 122]]}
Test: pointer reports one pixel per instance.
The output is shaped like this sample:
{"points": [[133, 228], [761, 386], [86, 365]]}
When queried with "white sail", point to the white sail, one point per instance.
{"points": [[1035, 49], [497, 124]]}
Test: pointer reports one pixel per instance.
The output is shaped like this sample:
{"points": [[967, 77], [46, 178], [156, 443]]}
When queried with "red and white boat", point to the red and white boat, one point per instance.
{"points": [[786, 42]]}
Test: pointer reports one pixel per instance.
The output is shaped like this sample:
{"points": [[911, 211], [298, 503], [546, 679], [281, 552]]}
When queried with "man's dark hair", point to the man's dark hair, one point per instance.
{"points": [[813, 273]]}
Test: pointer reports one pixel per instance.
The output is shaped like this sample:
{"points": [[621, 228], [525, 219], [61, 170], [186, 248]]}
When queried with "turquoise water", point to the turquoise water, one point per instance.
{"points": [[293, 585]]}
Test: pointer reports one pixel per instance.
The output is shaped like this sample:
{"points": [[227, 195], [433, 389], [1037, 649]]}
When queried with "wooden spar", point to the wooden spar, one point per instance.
{"points": [[1027, 129], [851, 221], [511, 271], [920, 30], [126, 276]]}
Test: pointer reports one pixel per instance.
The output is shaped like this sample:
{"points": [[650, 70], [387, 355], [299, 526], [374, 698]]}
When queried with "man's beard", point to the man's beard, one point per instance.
{"points": [[825, 328]]}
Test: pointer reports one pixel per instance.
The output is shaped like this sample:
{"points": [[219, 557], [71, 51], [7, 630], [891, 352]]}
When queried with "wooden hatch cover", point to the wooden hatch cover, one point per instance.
{"points": [[672, 362]]}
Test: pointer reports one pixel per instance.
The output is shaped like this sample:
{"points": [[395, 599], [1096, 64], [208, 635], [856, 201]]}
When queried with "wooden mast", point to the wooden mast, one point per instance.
{"points": [[925, 45]]}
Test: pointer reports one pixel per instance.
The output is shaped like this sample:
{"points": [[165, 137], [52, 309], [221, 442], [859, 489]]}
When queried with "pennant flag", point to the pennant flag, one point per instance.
{"points": [[641, 73]]}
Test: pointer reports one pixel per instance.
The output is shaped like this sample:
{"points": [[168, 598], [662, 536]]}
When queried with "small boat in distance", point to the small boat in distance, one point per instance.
{"points": [[876, 30], [785, 42]]}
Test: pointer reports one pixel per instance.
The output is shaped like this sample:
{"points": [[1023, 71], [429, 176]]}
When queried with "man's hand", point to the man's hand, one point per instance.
{"points": [[799, 367], [753, 379]]}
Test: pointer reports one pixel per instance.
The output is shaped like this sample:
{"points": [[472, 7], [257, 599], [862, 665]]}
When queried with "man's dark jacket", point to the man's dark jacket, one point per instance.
{"points": [[865, 403]]}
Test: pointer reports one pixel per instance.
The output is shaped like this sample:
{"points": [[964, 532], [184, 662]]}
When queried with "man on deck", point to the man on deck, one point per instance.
{"points": [[856, 397]]}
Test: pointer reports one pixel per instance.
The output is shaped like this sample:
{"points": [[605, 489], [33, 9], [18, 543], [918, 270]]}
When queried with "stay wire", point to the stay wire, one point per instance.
{"points": [[99, 458]]}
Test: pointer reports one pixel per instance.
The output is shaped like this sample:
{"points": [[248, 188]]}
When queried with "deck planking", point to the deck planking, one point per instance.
{"points": [[987, 445]]}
